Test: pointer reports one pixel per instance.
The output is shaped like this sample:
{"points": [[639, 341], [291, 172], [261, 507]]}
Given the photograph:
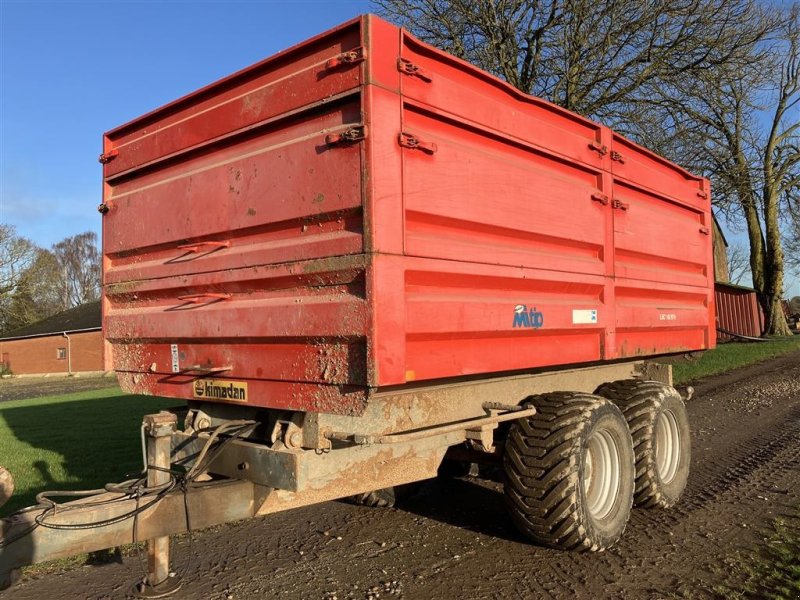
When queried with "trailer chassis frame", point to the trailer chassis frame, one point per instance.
{"points": [[402, 437]]}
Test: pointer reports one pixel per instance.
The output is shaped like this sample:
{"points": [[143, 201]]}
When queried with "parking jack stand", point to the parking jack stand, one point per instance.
{"points": [[158, 429]]}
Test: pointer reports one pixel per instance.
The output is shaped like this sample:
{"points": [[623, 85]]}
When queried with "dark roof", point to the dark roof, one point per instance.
{"points": [[733, 286], [85, 316]]}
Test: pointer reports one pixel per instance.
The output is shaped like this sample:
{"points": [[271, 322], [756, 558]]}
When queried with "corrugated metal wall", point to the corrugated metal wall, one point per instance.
{"points": [[738, 311]]}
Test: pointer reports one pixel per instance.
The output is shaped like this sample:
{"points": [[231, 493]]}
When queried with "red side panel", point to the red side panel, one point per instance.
{"points": [[535, 237], [662, 245], [506, 207]]}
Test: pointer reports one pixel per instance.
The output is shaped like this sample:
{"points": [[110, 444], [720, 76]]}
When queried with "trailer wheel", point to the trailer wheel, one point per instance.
{"points": [[659, 426], [569, 472]]}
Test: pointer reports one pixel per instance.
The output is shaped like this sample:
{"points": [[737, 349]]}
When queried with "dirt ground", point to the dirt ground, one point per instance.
{"points": [[454, 539], [36, 387]]}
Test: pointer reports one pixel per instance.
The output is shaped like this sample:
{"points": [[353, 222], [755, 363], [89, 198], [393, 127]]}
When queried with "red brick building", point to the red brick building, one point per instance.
{"points": [[69, 342]]}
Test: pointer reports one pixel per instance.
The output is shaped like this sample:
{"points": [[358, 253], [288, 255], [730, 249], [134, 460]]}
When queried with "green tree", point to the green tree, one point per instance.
{"points": [[38, 294]]}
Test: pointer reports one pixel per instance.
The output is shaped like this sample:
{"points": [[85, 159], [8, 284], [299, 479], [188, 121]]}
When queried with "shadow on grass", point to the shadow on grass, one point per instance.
{"points": [[97, 440], [66, 443]]}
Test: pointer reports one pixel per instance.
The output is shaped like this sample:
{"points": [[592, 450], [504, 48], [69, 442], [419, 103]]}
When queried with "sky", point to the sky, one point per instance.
{"points": [[71, 70]]}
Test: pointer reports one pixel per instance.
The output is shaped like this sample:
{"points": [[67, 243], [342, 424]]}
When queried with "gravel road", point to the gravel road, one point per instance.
{"points": [[454, 540]]}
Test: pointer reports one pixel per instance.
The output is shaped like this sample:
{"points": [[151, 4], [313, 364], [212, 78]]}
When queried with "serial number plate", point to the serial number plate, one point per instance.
{"points": [[215, 389]]}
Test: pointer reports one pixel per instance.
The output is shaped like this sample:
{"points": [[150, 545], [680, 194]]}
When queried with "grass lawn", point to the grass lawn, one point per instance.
{"points": [[726, 357], [73, 441], [770, 571]]}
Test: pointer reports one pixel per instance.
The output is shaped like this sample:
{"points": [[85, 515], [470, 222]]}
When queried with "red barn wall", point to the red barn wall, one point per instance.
{"points": [[737, 311], [40, 354]]}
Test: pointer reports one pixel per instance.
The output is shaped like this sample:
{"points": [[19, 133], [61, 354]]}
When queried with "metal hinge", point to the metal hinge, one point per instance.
{"points": [[601, 198], [702, 194], [408, 68], [705, 230], [108, 156], [617, 157], [620, 204], [350, 57], [409, 140], [348, 136], [599, 148]]}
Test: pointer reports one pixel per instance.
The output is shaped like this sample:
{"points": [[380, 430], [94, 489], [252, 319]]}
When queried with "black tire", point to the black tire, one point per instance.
{"points": [[546, 466], [646, 404]]}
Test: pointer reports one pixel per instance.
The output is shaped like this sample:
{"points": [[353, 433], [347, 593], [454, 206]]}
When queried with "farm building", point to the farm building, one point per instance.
{"points": [[68, 342], [720, 245], [737, 306]]}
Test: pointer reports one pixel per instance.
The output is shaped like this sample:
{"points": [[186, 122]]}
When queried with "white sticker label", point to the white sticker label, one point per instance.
{"points": [[176, 367], [584, 317]]}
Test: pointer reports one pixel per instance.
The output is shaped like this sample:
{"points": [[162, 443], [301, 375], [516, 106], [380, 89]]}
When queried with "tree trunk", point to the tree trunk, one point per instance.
{"points": [[776, 324]]}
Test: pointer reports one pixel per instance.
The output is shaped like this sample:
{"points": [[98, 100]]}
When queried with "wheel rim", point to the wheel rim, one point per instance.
{"points": [[668, 446], [601, 473]]}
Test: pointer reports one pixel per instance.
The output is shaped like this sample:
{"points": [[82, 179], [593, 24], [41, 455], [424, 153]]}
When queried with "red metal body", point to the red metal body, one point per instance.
{"points": [[737, 310], [363, 211]]}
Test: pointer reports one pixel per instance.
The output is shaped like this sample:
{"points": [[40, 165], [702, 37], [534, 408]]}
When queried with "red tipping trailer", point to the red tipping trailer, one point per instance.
{"points": [[363, 210], [363, 256]]}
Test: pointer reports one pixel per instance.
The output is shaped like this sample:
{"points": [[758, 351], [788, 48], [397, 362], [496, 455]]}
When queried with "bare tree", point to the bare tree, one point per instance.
{"points": [[79, 262], [16, 255], [741, 126], [738, 263], [792, 237], [601, 59]]}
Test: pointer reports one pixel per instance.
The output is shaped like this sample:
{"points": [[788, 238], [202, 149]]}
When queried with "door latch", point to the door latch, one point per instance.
{"points": [[107, 157], [409, 140], [620, 204], [407, 67], [601, 149], [348, 136], [350, 57]]}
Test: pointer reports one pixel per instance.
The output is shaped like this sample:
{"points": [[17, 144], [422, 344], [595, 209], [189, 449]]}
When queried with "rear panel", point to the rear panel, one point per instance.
{"points": [[233, 244]]}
